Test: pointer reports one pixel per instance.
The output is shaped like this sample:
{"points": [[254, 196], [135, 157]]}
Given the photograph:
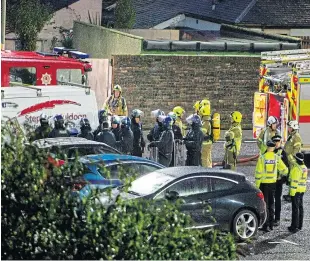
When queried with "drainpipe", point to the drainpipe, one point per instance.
{"points": [[3, 20]]}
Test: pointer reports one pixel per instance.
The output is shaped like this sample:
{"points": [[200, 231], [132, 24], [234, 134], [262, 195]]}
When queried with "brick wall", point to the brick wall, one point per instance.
{"points": [[162, 82]]}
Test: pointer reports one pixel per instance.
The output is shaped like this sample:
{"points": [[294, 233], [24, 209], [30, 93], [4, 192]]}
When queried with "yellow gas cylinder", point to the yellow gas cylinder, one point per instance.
{"points": [[216, 126]]}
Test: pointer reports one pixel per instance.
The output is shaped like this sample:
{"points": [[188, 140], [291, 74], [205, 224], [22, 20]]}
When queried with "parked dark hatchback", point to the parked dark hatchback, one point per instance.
{"points": [[236, 205]]}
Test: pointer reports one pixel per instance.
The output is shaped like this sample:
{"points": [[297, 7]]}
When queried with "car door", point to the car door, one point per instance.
{"points": [[222, 191], [193, 193]]}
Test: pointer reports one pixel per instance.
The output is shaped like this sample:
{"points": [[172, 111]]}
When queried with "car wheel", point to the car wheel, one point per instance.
{"points": [[245, 224]]}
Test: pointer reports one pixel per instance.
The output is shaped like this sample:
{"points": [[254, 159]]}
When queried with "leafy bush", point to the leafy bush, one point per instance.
{"points": [[39, 220]]}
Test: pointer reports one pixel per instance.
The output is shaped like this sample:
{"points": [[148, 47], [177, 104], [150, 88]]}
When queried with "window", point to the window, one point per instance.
{"points": [[145, 169], [69, 75], [150, 183], [221, 184], [191, 186], [23, 75]]}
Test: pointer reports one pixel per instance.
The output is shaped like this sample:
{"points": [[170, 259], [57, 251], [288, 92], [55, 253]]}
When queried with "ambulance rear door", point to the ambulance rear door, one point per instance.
{"points": [[259, 113]]}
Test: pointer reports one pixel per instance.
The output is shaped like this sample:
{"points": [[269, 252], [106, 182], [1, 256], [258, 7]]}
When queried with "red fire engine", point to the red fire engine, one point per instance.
{"points": [[38, 68]]}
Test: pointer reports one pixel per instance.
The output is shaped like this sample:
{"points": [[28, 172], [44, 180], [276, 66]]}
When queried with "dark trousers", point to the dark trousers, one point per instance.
{"points": [[164, 159], [193, 158], [278, 195], [268, 190], [297, 211]]}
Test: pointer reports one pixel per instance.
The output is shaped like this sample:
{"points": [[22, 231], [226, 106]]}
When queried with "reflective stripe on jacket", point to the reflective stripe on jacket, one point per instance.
{"points": [[269, 165], [298, 183]]}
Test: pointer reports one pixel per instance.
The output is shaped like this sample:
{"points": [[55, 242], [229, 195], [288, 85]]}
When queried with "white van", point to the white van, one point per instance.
{"points": [[27, 103]]}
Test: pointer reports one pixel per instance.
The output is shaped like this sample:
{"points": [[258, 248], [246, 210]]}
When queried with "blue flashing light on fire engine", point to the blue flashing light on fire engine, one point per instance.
{"points": [[73, 53], [78, 55]]}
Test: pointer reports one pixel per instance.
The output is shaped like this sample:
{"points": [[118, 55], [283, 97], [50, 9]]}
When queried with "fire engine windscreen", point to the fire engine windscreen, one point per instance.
{"points": [[70, 76]]}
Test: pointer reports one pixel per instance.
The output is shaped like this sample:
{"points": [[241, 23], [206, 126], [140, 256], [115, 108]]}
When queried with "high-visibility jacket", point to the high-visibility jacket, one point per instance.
{"points": [[268, 167], [179, 123], [265, 135], [230, 156], [207, 130], [116, 106], [298, 181], [237, 130], [292, 146]]}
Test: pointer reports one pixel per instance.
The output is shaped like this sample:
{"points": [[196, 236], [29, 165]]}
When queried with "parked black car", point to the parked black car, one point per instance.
{"points": [[236, 205]]}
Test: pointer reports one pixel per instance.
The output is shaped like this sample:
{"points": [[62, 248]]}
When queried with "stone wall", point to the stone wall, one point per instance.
{"points": [[101, 42], [152, 82]]}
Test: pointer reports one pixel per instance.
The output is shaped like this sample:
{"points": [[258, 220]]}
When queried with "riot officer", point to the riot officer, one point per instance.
{"points": [[193, 141], [59, 128], [125, 144], [269, 166], [165, 143], [102, 116], [155, 133], [177, 133], [115, 122], [230, 157], [136, 127], [106, 135], [85, 129], [267, 133], [43, 130]]}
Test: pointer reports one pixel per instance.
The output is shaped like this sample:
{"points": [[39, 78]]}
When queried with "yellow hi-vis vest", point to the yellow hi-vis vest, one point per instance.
{"points": [[292, 146], [237, 130], [269, 165], [298, 181], [179, 123]]}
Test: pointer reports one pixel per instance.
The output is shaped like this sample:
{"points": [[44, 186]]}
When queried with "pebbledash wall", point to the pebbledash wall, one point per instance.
{"points": [[162, 82]]}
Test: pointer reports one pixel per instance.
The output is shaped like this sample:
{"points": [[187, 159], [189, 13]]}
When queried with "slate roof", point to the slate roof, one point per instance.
{"points": [[153, 12], [286, 13]]}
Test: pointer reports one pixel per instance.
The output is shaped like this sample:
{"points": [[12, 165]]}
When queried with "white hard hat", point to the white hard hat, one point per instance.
{"points": [[272, 120], [161, 118], [157, 113], [293, 124]]}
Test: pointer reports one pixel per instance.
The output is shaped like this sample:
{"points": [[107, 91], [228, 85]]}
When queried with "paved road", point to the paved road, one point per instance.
{"points": [[278, 244]]}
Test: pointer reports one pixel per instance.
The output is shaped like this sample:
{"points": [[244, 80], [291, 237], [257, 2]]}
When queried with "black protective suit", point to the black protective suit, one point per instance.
{"points": [[193, 142], [59, 132], [106, 136], [117, 133], [138, 140], [125, 144], [165, 147], [86, 133], [156, 132], [41, 132], [177, 138]]}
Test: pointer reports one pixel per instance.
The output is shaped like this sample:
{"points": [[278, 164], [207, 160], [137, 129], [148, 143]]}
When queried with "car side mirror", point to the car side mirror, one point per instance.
{"points": [[172, 195]]}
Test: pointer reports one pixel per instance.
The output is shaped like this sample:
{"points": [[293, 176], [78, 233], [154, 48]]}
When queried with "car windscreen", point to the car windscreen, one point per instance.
{"points": [[150, 183], [117, 170]]}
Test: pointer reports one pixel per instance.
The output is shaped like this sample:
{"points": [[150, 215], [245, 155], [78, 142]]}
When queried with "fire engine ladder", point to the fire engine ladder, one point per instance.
{"points": [[38, 89], [87, 88], [286, 56]]}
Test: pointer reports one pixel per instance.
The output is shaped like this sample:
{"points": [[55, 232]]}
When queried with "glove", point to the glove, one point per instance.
{"points": [[284, 180]]}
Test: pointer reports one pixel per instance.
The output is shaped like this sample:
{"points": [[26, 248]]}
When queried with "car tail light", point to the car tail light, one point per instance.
{"points": [[260, 195]]}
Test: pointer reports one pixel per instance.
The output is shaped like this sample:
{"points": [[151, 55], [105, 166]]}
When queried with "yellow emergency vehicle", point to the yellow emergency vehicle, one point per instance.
{"points": [[284, 92]]}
